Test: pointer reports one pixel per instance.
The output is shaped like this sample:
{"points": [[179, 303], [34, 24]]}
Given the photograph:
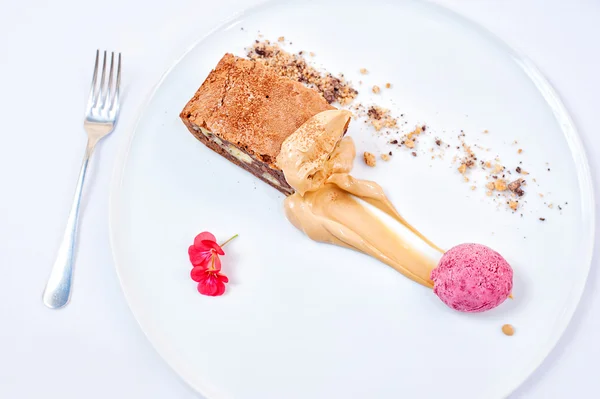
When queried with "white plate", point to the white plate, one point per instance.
{"points": [[305, 320]]}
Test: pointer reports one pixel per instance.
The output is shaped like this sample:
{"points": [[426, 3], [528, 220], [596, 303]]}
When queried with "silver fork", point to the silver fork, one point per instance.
{"points": [[101, 117]]}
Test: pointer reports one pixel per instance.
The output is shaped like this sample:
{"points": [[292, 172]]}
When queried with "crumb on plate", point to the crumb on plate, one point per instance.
{"points": [[369, 159]]}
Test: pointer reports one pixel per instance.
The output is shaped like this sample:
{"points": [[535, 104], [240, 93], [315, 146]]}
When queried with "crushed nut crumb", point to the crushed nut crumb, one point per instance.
{"points": [[295, 67], [516, 187], [388, 85], [369, 159], [513, 205], [385, 157], [377, 116], [280, 39], [376, 89], [500, 185], [364, 71]]}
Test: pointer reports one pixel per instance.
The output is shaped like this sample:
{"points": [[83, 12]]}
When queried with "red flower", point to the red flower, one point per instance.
{"points": [[205, 251], [211, 283], [206, 271]]}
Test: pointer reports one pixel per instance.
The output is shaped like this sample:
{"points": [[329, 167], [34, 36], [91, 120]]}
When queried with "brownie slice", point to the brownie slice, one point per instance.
{"points": [[245, 110]]}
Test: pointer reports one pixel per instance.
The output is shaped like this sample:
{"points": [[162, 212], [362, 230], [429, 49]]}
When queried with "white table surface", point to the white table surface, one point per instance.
{"points": [[94, 348]]}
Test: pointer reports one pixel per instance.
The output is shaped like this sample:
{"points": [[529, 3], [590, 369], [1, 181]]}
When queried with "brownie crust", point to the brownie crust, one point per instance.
{"points": [[244, 111]]}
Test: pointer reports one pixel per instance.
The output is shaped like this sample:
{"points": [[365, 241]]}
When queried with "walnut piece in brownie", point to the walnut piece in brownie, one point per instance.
{"points": [[245, 110]]}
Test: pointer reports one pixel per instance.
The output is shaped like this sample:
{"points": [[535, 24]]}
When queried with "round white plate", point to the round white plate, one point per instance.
{"points": [[306, 320]]}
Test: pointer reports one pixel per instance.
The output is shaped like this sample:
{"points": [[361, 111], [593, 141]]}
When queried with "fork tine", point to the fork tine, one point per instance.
{"points": [[94, 79], [115, 102], [106, 100], [101, 88]]}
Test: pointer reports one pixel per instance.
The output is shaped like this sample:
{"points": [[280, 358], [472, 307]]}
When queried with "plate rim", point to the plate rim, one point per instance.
{"points": [[551, 97]]}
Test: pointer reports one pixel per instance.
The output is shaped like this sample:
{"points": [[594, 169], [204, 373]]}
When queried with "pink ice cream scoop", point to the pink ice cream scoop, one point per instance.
{"points": [[472, 278]]}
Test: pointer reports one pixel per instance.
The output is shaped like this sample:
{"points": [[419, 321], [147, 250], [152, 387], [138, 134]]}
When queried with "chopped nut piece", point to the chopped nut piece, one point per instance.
{"points": [[519, 151], [385, 157], [497, 168], [490, 186], [462, 168], [280, 39], [500, 185], [466, 179], [507, 329], [369, 159], [376, 89], [388, 85], [513, 205], [364, 71], [380, 118], [488, 164], [409, 143], [515, 187]]}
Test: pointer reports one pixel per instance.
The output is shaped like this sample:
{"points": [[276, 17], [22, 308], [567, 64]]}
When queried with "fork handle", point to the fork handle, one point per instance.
{"points": [[58, 288]]}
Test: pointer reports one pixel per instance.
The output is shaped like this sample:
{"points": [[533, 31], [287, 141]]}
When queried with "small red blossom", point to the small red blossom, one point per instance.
{"points": [[211, 283], [205, 251], [206, 271]]}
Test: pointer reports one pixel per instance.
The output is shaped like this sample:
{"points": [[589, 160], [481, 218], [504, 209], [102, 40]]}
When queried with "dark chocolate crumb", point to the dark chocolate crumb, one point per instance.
{"points": [[518, 169], [391, 155], [414, 154], [559, 208], [394, 142], [542, 219], [438, 142]]}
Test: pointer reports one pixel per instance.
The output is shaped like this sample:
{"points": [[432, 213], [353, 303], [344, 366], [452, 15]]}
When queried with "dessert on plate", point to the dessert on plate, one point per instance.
{"points": [[289, 136]]}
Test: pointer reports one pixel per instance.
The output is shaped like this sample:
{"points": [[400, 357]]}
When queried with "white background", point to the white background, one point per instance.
{"points": [[94, 348]]}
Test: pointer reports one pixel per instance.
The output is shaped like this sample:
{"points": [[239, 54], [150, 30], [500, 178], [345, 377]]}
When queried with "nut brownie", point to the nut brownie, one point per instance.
{"points": [[244, 111]]}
